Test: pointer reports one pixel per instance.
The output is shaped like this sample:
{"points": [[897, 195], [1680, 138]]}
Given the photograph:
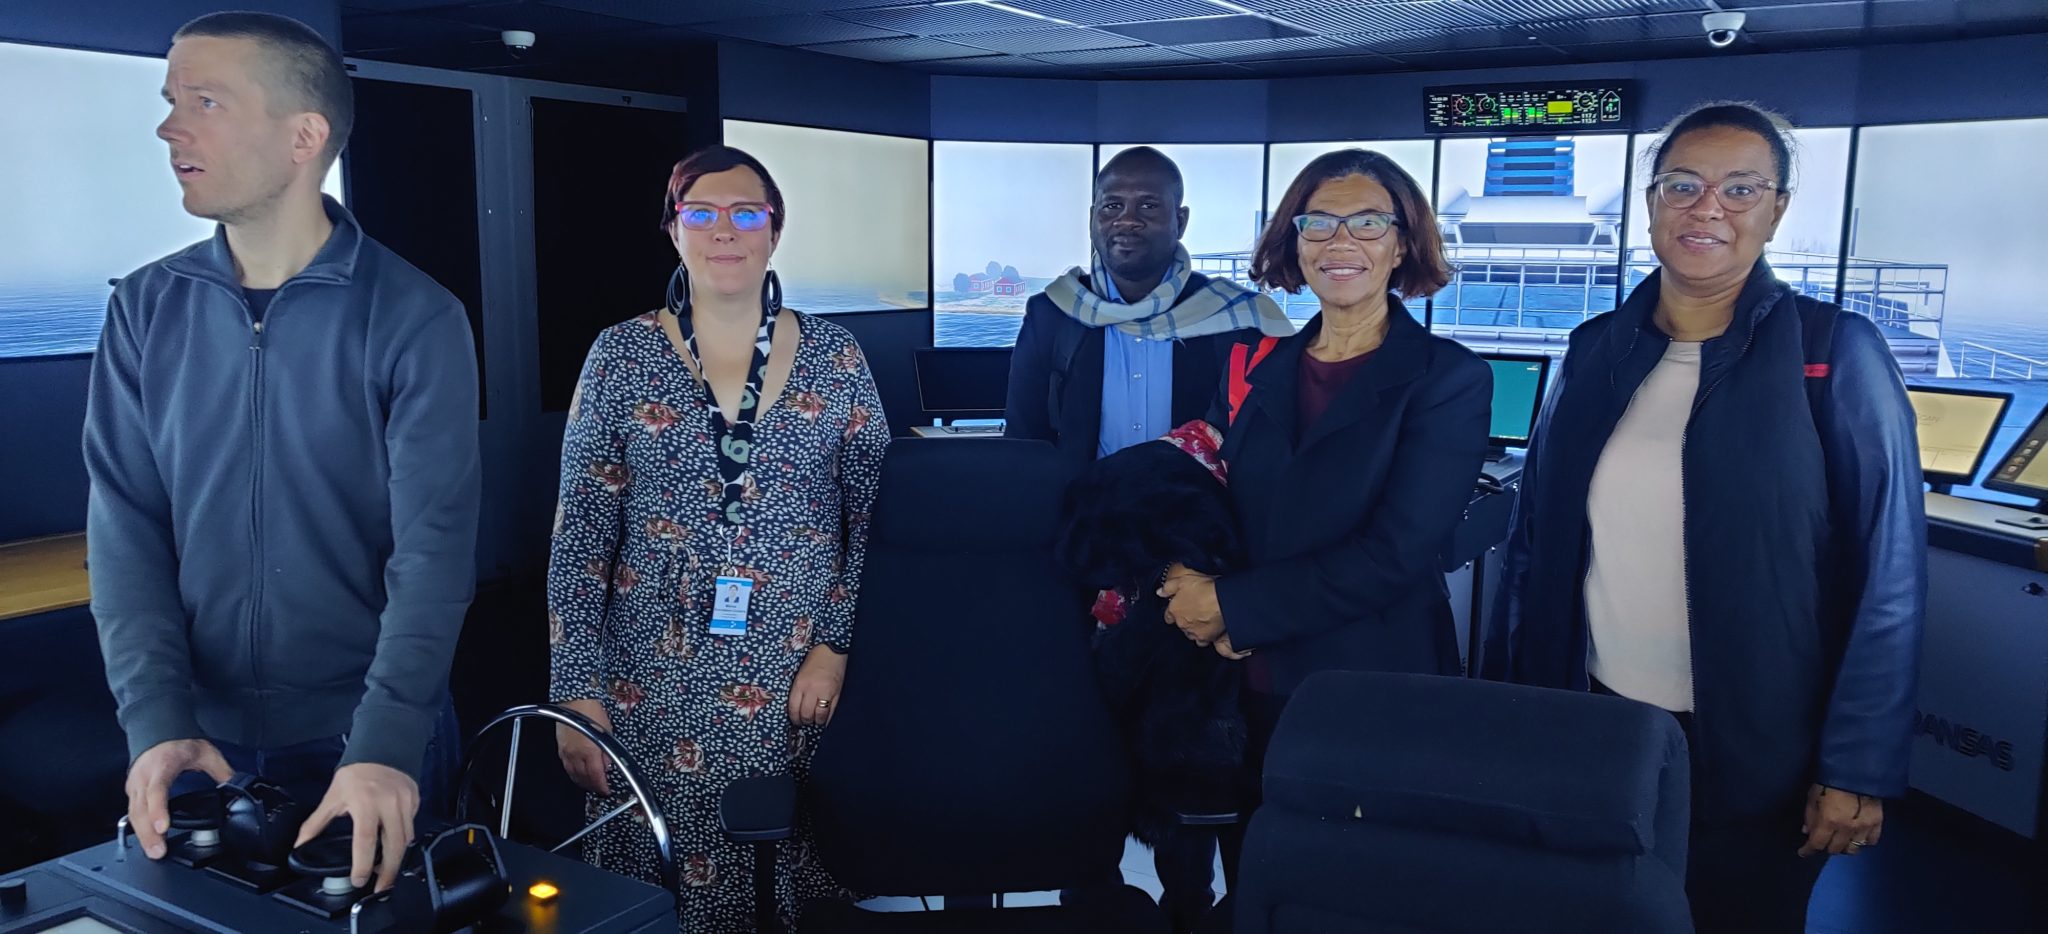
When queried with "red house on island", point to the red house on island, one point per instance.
{"points": [[1005, 285]]}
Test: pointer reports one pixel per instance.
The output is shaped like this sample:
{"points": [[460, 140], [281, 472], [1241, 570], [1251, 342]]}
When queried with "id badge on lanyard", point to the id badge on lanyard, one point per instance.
{"points": [[729, 606], [733, 443]]}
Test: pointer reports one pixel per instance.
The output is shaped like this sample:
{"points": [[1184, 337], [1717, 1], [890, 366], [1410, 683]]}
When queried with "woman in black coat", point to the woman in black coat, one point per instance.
{"points": [[1722, 516], [1352, 450]]}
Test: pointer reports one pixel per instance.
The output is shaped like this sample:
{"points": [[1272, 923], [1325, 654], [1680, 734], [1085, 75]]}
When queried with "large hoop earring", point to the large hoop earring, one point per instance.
{"points": [[771, 294], [679, 291]]}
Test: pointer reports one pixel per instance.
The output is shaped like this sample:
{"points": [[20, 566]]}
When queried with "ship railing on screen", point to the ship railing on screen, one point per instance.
{"points": [[2016, 366]]}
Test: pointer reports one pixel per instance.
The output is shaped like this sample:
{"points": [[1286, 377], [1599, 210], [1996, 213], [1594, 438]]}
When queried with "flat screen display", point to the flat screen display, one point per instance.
{"points": [[1548, 108], [1517, 395], [87, 195], [1007, 219], [858, 236], [1955, 428], [963, 381]]}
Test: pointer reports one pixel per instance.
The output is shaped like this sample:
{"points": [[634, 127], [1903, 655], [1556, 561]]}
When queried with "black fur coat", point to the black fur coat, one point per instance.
{"points": [[1127, 518]]}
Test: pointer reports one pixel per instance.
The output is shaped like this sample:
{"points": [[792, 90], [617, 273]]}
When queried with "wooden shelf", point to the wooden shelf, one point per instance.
{"points": [[43, 574]]}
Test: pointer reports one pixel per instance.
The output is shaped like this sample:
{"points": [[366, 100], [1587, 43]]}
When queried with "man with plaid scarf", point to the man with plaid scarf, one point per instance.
{"points": [[1121, 354]]}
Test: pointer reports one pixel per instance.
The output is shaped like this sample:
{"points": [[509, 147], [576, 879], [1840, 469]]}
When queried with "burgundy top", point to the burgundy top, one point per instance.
{"points": [[1318, 385]]}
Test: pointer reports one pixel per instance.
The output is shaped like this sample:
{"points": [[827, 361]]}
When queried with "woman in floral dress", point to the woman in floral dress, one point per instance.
{"points": [[708, 543]]}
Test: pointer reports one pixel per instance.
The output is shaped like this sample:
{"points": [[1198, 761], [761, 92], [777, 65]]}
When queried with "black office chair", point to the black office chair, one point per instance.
{"points": [[1416, 803], [971, 754]]}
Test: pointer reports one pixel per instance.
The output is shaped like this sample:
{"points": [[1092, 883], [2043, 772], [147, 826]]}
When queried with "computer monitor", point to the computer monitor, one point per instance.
{"points": [[2023, 471], [1956, 426], [1518, 384], [962, 382]]}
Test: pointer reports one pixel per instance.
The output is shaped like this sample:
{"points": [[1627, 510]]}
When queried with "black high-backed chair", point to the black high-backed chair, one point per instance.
{"points": [[1411, 803], [971, 754]]}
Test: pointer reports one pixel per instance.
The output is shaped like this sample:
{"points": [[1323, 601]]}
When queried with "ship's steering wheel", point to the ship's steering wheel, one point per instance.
{"points": [[657, 824]]}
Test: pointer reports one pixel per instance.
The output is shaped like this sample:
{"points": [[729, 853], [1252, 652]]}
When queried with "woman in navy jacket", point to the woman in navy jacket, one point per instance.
{"points": [[1722, 516], [1352, 455]]}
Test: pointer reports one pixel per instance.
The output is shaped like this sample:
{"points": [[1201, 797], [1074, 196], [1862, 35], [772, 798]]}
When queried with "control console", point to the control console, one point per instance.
{"points": [[230, 866]]}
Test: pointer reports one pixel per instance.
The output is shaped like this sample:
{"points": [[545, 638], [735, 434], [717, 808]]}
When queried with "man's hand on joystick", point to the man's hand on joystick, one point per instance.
{"points": [[381, 801], [149, 786]]}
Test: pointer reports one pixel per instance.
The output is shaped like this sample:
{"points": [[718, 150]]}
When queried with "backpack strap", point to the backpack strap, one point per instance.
{"points": [[1243, 359], [1817, 323]]}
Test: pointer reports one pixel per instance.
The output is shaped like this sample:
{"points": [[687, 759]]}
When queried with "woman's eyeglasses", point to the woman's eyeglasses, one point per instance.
{"points": [[1365, 225], [1737, 193], [697, 215]]}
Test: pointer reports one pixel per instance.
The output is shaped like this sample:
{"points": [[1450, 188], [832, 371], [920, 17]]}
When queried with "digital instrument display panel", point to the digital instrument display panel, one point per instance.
{"points": [[1518, 384], [1955, 430], [1533, 109], [2023, 471]]}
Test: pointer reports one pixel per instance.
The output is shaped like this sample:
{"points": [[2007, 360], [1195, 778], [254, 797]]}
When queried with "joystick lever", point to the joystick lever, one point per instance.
{"points": [[262, 820]]}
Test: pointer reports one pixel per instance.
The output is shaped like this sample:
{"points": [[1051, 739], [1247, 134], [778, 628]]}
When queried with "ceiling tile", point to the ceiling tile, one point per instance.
{"points": [[1394, 17], [795, 30], [824, 6], [1920, 13], [1441, 40], [674, 12], [1843, 38], [904, 49], [1618, 29], [1514, 57], [1539, 11], [1267, 6], [1694, 46], [1028, 41], [926, 20], [1254, 49], [996, 65], [1747, 5], [1353, 64], [1803, 18], [1134, 56], [1100, 12], [1206, 29], [1393, 42], [1201, 71]]}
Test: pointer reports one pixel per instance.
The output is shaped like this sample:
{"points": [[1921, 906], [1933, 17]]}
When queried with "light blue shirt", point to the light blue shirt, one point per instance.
{"points": [[1137, 386]]}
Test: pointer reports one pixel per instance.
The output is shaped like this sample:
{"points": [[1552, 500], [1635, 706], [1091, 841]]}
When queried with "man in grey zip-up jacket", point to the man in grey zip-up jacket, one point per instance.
{"points": [[282, 441]]}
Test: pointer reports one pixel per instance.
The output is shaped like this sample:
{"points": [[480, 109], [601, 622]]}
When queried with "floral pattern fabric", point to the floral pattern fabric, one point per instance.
{"points": [[637, 546]]}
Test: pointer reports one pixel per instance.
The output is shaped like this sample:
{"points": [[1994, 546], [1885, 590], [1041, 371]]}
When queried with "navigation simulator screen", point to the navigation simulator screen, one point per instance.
{"points": [[1955, 428], [1531, 108]]}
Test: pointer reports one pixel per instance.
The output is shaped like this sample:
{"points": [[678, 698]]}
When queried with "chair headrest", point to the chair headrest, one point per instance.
{"points": [[973, 494], [1564, 770]]}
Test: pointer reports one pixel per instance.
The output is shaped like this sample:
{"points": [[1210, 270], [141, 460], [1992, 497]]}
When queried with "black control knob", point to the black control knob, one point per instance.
{"points": [[330, 856], [14, 893], [200, 812]]}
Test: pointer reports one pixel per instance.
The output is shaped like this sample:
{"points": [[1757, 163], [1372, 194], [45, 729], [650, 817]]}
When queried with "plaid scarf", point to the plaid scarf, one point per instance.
{"points": [[1219, 307]]}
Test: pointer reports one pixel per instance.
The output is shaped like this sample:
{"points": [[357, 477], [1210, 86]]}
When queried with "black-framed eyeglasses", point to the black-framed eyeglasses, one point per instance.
{"points": [[1365, 225], [1737, 193]]}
